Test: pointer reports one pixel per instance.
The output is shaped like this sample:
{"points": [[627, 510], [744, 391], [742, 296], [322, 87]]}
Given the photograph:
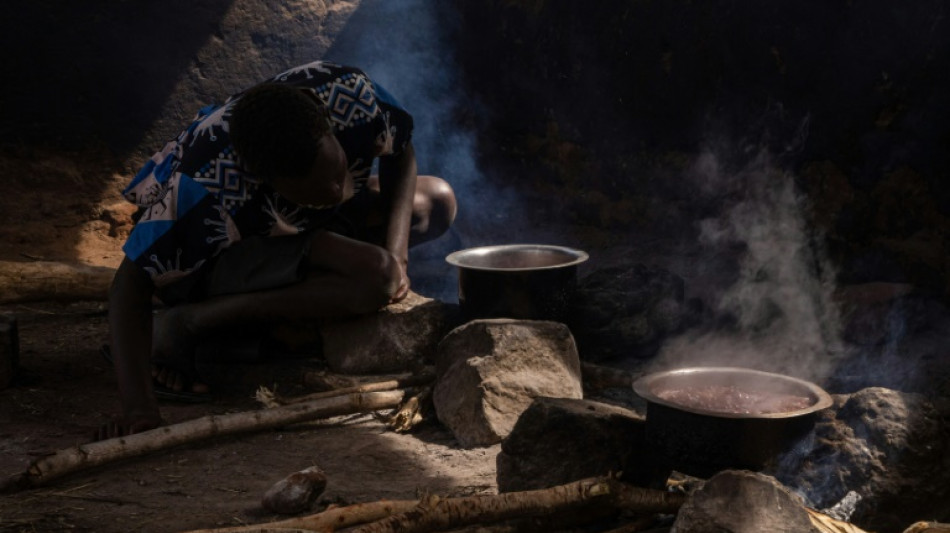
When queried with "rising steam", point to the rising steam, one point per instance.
{"points": [[406, 47], [781, 317]]}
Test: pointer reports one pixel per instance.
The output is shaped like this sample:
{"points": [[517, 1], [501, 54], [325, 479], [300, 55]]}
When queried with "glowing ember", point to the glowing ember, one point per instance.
{"points": [[729, 399]]}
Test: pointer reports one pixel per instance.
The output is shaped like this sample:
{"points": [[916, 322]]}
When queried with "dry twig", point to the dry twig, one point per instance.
{"points": [[826, 524], [272, 399], [411, 413]]}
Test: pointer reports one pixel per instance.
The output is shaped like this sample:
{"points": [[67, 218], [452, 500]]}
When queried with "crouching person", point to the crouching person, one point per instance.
{"points": [[263, 211]]}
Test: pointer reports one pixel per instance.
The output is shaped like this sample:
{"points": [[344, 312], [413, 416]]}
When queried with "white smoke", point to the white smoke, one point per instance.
{"points": [[406, 46], [783, 316]]}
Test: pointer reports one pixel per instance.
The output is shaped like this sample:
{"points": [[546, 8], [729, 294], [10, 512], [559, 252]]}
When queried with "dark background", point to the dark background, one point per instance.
{"points": [[550, 114]]}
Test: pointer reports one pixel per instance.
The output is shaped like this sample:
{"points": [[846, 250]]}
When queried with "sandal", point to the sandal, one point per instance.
{"points": [[161, 391]]}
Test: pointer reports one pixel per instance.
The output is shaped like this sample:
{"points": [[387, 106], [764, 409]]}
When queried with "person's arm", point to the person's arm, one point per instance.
{"points": [[369, 276], [397, 184], [130, 324]]}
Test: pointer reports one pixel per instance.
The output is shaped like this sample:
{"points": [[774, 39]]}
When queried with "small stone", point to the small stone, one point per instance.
{"points": [[296, 492]]}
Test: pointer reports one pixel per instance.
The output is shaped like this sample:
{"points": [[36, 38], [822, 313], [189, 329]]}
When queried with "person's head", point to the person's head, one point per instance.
{"points": [[283, 135]]}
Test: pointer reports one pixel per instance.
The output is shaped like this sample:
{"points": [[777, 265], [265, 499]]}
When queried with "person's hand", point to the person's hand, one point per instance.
{"points": [[403, 289], [122, 428]]}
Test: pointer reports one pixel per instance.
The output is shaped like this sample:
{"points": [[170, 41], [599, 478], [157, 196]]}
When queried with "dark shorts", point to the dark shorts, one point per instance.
{"points": [[251, 264]]}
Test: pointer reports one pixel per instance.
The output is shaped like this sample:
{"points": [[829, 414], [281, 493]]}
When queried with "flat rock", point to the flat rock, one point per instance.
{"points": [[489, 371], [738, 501], [559, 440], [398, 337]]}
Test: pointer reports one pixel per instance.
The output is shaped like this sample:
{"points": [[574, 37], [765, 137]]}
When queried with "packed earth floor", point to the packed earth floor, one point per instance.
{"points": [[65, 389]]}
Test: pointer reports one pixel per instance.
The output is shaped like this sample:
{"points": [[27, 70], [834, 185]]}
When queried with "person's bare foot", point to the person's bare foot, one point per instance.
{"points": [[176, 380], [173, 353], [122, 428]]}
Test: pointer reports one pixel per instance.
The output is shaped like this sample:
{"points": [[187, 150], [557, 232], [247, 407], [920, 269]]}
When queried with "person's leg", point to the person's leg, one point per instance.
{"points": [[433, 210], [345, 277], [340, 288]]}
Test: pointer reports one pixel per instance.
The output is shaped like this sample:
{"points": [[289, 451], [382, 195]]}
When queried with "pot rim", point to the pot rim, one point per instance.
{"points": [[458, 258], [644, 388]]}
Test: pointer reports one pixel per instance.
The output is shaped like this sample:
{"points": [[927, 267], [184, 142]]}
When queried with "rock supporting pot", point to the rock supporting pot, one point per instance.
{"points": [[523, 281]]}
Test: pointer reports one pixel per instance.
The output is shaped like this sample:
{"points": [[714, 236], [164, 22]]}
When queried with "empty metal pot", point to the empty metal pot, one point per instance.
{"points": [[524, 281]]}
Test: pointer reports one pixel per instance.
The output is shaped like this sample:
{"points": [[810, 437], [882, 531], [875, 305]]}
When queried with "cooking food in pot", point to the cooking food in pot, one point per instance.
{"points": [[732, 399], [702, 420]]}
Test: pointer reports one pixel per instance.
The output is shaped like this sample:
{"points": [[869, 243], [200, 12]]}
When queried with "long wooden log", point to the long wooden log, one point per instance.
{"points": [[52, 280], [435, 514], [86, 456], [330, 520], [440, 515]]}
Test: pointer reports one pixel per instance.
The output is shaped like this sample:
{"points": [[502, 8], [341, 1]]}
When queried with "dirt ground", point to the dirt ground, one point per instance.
{"points": [[66, 389], [68, 208]]}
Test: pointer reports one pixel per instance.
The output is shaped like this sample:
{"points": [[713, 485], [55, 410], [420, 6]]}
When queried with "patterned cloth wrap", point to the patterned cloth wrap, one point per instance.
{"points": [[196, 200]]}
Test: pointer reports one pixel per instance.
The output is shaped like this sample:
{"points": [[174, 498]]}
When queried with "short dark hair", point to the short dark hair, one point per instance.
{"points": [[276, 130]]}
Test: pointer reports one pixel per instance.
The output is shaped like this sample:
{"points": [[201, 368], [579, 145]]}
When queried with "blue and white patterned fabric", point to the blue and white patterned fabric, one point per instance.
{"points": [[196, 199]]}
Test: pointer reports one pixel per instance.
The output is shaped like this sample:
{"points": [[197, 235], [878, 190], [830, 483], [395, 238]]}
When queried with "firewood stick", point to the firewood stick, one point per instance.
{"points": [[329, 520], [411, 413], [928, 527], [90, 455], [439, 515], [826, 524], [52, 280], [378, 386], [434, 514]]}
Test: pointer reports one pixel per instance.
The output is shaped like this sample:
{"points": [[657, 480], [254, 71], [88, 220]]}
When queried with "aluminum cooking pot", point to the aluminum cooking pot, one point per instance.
{"points": [[702, 439], [524, 281]]}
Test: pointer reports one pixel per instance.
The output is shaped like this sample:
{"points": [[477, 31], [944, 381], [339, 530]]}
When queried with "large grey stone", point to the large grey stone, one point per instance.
{"points": [[559, 440], [889, 447], [398, 337], [489, 371], [738, 501]]}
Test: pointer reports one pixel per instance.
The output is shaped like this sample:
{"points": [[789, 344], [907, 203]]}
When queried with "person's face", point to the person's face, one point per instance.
{"points": [[328, 183]]}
